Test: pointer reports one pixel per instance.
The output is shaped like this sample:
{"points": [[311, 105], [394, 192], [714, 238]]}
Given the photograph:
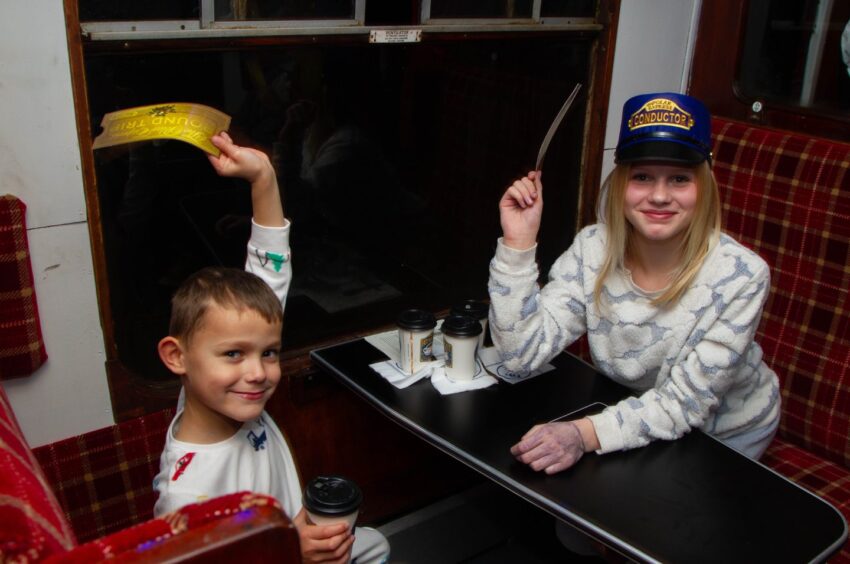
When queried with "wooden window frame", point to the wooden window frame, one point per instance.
{"points": [[132, 396]]}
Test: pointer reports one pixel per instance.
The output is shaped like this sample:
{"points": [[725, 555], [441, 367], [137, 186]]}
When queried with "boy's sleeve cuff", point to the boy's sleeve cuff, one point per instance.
{"points": [[514, 259], [607, 431], [274, 239]]}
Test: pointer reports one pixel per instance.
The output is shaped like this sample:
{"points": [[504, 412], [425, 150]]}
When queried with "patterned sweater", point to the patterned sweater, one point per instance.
{"points": [[694, 364]]}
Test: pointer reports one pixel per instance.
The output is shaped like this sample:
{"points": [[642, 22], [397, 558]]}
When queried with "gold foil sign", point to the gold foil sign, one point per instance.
{"points": [[192, 123]]}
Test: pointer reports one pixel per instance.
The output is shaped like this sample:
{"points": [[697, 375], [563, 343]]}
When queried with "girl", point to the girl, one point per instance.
{"points": [[669, 303]]}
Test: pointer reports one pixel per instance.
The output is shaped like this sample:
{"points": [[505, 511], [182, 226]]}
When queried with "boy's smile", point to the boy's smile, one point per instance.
{"points": [[230, 369]]}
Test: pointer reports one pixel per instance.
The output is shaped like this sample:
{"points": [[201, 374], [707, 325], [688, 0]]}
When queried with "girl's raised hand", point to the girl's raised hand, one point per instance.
{"points": [[239, 162], [520, 210]]}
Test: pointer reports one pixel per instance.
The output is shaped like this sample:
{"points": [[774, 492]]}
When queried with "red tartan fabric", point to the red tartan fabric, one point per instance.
{"points": [[822, 477], [104, 479], [787, 196], [32, 525], [21, 346]]}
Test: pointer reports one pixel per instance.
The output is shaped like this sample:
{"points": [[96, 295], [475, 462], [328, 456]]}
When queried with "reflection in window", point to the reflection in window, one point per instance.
{"points": [[481, 9], [568, 8], [391, 160], [127, 10], [283, 9], [792, 54]]}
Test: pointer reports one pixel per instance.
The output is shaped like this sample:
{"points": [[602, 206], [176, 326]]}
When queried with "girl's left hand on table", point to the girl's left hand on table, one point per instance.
{"points": [[551, 447]]}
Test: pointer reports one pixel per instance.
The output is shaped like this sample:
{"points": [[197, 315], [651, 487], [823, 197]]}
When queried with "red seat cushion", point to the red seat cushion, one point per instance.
{"points": [[145, 536], [818, 475], [32, 524]]}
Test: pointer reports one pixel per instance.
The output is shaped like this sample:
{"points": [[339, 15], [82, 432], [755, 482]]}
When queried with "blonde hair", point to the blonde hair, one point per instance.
{"points": [[700, 236]]}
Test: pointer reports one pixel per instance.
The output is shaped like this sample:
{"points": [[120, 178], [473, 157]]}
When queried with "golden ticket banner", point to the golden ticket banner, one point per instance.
{"points": [[192, 123]]}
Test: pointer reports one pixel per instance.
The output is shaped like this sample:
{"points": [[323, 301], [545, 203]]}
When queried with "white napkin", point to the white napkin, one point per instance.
{"points": [[445, 385], [488, 365], [393, 373], [387, 343], [493, 364], [390, 370]]}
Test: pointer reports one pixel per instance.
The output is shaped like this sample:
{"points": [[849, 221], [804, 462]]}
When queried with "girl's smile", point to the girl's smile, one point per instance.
{"points": [[659, 201]]}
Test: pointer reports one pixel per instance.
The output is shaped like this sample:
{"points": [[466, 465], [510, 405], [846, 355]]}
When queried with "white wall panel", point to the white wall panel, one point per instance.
{"points": [[39, 153], [653, 54], [40, 163], [68, 395]]}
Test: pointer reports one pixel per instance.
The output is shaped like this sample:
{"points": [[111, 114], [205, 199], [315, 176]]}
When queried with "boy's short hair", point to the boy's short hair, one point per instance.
{"points": [[225, 287]]}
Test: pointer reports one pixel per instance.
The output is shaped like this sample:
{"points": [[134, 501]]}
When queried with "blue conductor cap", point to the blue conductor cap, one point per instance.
{"points": [[664, 126]]}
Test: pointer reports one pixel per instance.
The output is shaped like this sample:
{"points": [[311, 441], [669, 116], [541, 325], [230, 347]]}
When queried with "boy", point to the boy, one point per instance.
{"points": [[224, 344]]}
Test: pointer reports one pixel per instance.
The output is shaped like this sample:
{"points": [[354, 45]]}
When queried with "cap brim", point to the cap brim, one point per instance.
{"points": [[658, 151]]}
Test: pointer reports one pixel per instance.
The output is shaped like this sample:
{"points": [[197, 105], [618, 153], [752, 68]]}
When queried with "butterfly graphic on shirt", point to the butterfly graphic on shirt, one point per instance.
{"points": [[257, 441]]}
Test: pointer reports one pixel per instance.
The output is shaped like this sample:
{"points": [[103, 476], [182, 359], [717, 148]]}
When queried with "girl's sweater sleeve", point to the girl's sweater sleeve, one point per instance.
{"points": [[696, 385], [530, 326], [269, 257]]}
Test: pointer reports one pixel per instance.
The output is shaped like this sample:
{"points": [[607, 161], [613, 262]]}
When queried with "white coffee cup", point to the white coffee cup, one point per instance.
{"points": [[319, 519], [329, 500], [415, 339], [460, 338], [476, 310]]}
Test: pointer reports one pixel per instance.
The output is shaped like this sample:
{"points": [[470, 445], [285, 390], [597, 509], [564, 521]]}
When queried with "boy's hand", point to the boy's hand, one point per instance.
{"points": [[255, 167], [520, 210], [240, 162], [329, 543]]}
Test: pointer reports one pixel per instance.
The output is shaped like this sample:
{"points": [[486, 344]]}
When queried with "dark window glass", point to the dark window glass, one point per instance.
{"points": [[793, 54], [568, 8], [481, 9], [123, 10], [391, 160], [391, 12], [283, 9]]}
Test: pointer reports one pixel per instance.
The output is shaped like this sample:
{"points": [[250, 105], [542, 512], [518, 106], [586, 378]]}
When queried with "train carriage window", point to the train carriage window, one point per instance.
{"points": [[481, 9], [797, 53], [391, 158], [508, 9], [131, 10], [283, 9], [777, 63], [568, 8]]}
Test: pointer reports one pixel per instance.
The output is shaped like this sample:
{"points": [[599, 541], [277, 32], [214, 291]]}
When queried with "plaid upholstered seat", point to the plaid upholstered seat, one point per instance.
{"points": [[103, 482], [787, 196], [104, 479]]}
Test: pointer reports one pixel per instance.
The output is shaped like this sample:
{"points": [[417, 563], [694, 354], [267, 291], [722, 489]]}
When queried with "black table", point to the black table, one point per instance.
{"points": [[690, 500]]}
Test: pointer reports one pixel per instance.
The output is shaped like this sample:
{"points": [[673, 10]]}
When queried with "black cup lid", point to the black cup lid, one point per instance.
{"points": [[472, 308], [416, 320], [332, 495], [461, 326]]}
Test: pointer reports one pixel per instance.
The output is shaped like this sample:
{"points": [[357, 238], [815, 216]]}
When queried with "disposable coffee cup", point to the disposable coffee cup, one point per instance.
{"points": [[329, 500], [476, 310], [460, 337], [415, 339]]}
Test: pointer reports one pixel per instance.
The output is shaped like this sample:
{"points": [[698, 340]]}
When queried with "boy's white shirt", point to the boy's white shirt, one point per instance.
{"points": [[256, 458]]}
